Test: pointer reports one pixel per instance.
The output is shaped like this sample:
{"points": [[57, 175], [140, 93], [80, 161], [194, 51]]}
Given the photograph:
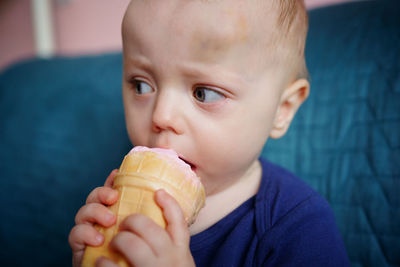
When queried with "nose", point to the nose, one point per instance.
{"points": [[167, 113]]}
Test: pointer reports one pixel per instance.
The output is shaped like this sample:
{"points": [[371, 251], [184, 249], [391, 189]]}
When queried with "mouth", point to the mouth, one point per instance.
{"points": [[192, 166]]}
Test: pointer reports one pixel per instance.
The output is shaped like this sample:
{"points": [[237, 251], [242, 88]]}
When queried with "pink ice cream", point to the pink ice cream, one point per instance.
{"points": [[173, 156]]}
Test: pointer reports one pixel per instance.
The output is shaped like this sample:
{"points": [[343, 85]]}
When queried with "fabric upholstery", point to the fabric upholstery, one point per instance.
{"points": [[62, 132]]}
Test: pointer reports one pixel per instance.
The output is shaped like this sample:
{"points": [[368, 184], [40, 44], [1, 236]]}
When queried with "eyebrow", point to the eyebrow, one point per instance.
{"points": [[197, 70], [193, 70], [139, 61]]}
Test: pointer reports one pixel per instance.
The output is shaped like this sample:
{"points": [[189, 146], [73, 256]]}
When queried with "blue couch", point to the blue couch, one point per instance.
{"points": [[62, 130]]}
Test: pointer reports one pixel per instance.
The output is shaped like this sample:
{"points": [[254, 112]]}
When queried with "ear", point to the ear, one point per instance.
{"points": [[291, 99]]}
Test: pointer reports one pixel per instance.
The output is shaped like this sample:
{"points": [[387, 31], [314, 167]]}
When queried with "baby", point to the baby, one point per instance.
{"points": [[213, 79]]}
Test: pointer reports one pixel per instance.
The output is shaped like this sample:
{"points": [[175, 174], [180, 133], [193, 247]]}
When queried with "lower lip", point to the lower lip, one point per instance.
{"points": [[191, 165]]}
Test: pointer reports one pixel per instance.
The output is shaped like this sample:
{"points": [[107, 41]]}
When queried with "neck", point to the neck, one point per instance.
{"points": [[220, 204]]}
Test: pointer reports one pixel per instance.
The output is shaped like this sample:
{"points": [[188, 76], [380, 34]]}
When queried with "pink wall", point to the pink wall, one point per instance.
{"points": [[81, 27], [89, 26], [15, 31]]}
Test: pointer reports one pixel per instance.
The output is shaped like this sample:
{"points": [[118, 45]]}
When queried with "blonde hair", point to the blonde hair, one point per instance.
{"points": [[292, 24]]}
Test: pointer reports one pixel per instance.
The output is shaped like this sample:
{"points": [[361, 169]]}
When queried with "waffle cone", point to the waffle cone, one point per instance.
{"points": [[140, 175]]}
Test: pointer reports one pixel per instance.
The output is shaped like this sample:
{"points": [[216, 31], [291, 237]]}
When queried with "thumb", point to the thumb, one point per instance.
{"points": [[110, 179], [173, 214]]}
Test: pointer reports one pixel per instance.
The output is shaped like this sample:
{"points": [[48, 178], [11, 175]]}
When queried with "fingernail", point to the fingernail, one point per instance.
{"points": [[109, 217], [161, 191], [99, 238]]}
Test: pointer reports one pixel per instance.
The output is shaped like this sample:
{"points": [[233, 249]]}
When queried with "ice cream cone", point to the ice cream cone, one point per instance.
{"points": [[142, 172]]}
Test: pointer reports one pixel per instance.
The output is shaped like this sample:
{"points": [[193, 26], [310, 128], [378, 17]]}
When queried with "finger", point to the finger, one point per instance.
{"points": [[95, 213], [151, 233], [82, 235], [104, 262], [135, 249], [104, 195], [176, 224], [77, 258], [110, 179]]}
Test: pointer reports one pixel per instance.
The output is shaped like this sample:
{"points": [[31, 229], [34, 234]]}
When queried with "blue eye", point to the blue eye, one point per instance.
{"points": [[207, 95], [142, 88]]}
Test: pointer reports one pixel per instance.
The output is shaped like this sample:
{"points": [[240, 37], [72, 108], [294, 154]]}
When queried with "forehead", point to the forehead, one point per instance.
{"points": [[209, 31]]}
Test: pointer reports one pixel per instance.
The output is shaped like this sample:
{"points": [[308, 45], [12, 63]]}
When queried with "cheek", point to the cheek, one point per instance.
{"points": [[234, 143], [131, 127], [222, 145], [138, 123], [252, 124], [262, 112], [138, 130]]}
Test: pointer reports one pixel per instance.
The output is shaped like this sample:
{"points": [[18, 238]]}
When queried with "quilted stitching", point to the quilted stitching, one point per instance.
{"points": [[345, 140]]}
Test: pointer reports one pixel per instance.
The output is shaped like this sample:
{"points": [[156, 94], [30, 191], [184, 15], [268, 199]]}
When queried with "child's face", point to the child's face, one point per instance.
{"points": [[195, 80]]}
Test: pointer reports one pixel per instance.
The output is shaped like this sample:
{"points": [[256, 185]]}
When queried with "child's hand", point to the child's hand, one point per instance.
{"points": [[93, 212], [144, 243]]}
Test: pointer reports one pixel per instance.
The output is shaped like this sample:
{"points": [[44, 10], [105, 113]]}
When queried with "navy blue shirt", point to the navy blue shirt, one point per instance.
{"points": [[285, 224]]}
